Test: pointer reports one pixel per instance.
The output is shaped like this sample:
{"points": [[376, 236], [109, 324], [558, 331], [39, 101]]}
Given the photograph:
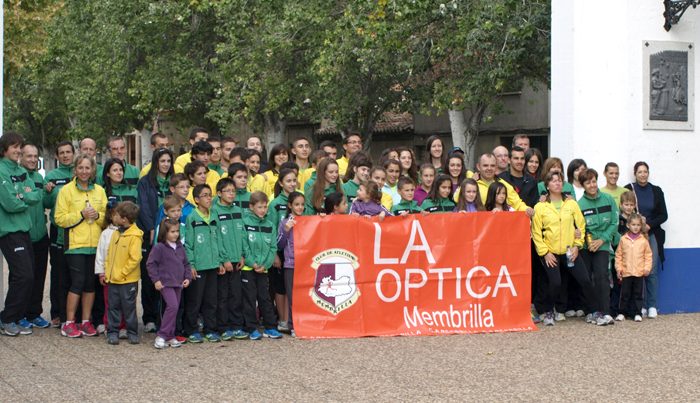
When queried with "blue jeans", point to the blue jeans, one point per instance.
{"points": [[651, 282]]}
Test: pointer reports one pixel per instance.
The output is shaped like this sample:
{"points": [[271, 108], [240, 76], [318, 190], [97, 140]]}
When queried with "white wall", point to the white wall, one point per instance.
{"points": [[597, 95]]}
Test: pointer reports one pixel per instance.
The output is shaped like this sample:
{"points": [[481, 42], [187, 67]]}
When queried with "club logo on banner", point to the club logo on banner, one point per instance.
{"points": [[440, 274], [334, 289]]}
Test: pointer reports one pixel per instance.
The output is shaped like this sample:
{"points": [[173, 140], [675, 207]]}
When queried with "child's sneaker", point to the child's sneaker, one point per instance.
{"points": [[282, 326], [160, 342], [123, 334], [87, 329], [70, 330], [41, 323], [548, 319], [150, 327], [579, 313], [591, 318], [9, 329], [134, 339], [56, 323], [24, 323], [559, 317], [609, 320], [24, 330], [535, 319], [112, 340], [294, 334], [240, 334], [212, 337], [181, 339], [620, 318], [652, 313], [272, 334], [644, 313], [227, 335], [255, 335], [637, 318], [600, 319], [570, 313], [173, 343], [100, 329], [195, 338]]}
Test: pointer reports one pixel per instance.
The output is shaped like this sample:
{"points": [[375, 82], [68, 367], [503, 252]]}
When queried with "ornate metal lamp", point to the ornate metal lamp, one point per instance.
{"points": [[674, 10]]}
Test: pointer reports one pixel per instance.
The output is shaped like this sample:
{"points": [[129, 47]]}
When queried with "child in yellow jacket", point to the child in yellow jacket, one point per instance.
{"points": [[123, 272], [633, 260]]}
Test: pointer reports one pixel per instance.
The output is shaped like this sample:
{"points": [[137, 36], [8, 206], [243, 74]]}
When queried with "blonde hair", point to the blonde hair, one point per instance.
{"points": [[628, 196], [635, 216], [93, 165]]}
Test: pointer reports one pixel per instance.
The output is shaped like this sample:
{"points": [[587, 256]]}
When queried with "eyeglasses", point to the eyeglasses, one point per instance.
{"points": [[207, 196], [229, 191], [122, 148]]}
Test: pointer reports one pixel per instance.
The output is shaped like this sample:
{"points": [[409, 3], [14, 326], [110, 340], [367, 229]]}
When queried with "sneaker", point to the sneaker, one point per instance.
{"points": [[40, 323], [620, 318], [227, 335], [644, 313], [150, 327], [212, 337], [181, 339], [272, 334], [112, 340], [535, 319], [24, 330], [579, 313], [173, 343], [195, 338], [255, 335], [9, 329], [123, 334], [24, 323], [282, 326], [70, 330], [652, 313], [56, 323], [240, 334], [570, 313], [87, 329], [590, 318], [637, 318], [294, 334], [160, 342], [600, 320], [542, 316], [548, 319], [134, 339], [100, 329], [609, 320], [560, 317]]}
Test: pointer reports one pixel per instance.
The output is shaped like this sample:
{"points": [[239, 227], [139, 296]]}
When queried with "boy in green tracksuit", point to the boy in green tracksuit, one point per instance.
{"points": [[259, 248], [239, 173], [40, 240], [229, 315], [407, 205], [54, 181], [202, 247]]}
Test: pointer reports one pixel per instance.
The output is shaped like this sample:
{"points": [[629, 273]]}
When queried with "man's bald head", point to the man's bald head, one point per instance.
{"points": [[502, 160]]}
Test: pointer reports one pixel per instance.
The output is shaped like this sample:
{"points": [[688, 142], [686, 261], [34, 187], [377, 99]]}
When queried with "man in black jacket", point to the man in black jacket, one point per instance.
{"points": [[524, 184]]}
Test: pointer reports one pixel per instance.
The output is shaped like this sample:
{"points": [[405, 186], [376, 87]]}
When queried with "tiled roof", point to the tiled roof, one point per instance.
{"points": [[390, 122]]}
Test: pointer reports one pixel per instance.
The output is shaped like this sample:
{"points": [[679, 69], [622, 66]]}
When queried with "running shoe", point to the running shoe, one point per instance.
{"points": [[24, 323], [644, 313], [282, 326], [41, 323], [112, 340], [70, 330], [272, 334], [134, 339], [591, 318], [294, 334], [56, 323], [195, 338], [255, 335], [212, 337], [535, 319], [600, 319], [150, 327], [570, 313], [240, 334], [637, 318], [227, 335], [620, 318], [9, 329], [160, 342], [173, 343], [24, 330], [181, 339], [652, 313], [609, 320], [560, 317], [87, 329], [100, 329], [123, 334], [579, 313], [548, 319]]}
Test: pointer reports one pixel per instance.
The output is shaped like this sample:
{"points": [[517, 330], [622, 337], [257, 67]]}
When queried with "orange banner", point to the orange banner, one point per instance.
{"points": [[440, 274]]}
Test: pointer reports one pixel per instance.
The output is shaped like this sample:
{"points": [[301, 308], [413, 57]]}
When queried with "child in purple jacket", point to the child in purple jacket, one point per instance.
{"points": [[170, 271], [285, 242], [369, 202]]}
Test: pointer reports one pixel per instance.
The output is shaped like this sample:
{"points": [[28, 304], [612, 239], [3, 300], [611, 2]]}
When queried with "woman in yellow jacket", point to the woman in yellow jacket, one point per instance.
{"points": [[553, 231], [80, 211]]}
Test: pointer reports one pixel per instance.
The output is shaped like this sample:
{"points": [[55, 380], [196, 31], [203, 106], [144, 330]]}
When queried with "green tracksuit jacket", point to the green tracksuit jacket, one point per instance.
{"points": [[441, 205], [277, 210], [229, 221], [601, 217], [37, 211], [412, 207], [202, 242], [14, 211], [259, 242], [309, 207]]}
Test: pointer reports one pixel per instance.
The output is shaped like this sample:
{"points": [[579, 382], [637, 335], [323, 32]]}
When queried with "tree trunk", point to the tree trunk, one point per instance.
{"points": [[464, 134], [274, 128], [146, 152]]}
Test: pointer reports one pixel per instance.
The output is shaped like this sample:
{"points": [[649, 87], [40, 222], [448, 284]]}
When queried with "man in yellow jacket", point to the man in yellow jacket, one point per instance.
{"points": [[123, 272], [487, 175], [351, 145], [197, 134]]}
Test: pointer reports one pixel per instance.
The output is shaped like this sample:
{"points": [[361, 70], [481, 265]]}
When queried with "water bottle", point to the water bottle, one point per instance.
{"points": [[89, 220], [569, 262]]}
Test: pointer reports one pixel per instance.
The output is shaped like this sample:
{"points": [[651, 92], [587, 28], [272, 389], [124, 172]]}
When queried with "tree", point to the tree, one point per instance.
{"points": [[481, 49]]}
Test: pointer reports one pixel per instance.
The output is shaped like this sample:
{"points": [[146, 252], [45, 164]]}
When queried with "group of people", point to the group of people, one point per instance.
{"points": [[209, 235]]}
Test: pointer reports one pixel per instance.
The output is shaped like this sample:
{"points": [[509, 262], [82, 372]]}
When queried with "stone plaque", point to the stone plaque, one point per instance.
{"points": [[668, 85]]}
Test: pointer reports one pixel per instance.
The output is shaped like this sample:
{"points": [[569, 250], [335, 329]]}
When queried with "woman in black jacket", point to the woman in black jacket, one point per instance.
{"points": [[651, 204]]}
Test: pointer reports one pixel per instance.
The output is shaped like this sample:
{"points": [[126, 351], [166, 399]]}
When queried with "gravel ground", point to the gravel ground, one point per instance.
{"points": [[656, 360]]}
